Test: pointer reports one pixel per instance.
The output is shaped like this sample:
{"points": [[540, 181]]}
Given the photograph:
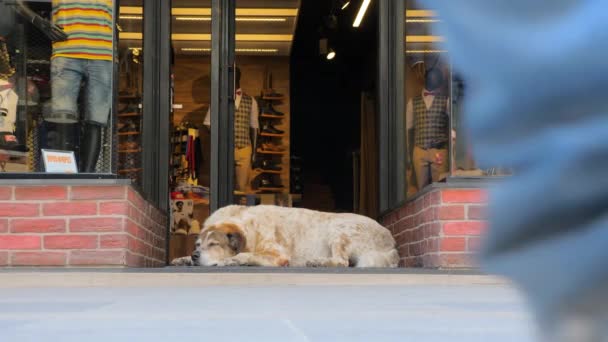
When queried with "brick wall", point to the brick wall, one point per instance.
{"points": [[440, 229], [61, 225]]}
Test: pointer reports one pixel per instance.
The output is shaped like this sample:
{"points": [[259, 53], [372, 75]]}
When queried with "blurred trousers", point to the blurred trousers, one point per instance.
{"points": [[537, 76]]}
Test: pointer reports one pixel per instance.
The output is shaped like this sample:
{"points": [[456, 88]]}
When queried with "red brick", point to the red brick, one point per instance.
{"points": [[113, 241], [450, 212], [402, 263], [427, 215], [99, 258], [473, 244], [134, 260], [39, 259], [100, 192], [135, 214], [3, 226], [136, 246], [477, 212], [6, 192], [435, 229], [41, 193], [464, 228], [457, 260], [435, 197], [426, 200], [97, 224], [433, 245], [464, 196], [69, 208], [136, 199], [70, 241], [38, 225], [431, 260], [114, 208], [453, 244], [3, 258], [19, 242], [19, 209], [132, 228]]}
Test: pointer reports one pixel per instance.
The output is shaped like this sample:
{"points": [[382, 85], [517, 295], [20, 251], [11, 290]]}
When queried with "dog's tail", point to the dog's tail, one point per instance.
{"points": [[379, 259]]}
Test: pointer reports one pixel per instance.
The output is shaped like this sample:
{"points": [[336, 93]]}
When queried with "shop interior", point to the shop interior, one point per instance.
{"points": [[305, 88]]}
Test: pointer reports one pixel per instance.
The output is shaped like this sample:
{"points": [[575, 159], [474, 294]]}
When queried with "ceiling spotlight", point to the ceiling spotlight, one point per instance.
{"points": [[344, 4], [331, 54], [361, 14]]}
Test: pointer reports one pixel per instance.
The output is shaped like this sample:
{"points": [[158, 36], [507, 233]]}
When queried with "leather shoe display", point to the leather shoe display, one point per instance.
{"points": [[270, 93], [270, 147], [269, 110], [269, 128], [268, 165], [129, 126], [265, 181]]}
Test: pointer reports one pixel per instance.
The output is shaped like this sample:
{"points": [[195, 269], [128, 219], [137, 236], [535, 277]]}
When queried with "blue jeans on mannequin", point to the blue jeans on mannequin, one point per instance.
{"points": [[538, 77], [67, 76]]}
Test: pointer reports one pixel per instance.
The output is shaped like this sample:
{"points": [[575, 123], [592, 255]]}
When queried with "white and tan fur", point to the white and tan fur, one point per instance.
{"points": [[267, 235]]}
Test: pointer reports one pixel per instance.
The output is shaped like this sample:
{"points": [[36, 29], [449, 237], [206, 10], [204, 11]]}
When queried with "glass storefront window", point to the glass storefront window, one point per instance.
{"points": [[56, 85], [437, 144], [129, 114]]}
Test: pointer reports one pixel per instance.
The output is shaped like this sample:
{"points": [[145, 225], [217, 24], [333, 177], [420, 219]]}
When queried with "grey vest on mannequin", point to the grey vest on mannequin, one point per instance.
{"points": [[430, 125], [242, 117]]}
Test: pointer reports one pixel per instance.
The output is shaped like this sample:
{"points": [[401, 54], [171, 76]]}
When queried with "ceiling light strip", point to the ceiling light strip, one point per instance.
{"points": [[424, 39], [237, 50], [422, 20], [420, 13], [244, 19], [254, 12], [425, 51], [207, 37], [361, 13]]}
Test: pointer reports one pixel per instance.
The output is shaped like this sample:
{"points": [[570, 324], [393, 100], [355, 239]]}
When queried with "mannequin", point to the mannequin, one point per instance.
{"points": [[85, 57], [245, 144], [428, 129], [8, 97]]}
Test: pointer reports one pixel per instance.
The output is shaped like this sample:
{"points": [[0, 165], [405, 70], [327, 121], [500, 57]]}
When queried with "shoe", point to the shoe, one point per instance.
{"points": [[129, 126], [268, 165], [130, 108], [270, 147], [128, 145], [9, 142], [270, 93], [269, 110], [270, 129], [264, 181]]}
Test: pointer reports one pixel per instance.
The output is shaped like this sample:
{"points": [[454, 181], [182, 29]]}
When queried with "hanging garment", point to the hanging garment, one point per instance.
{"points": [[8, 107]]}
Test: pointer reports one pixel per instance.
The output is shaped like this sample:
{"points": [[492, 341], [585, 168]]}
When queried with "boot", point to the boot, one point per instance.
{"points": [[269, 110], [60, 136], [269, 128], [91, 146]]}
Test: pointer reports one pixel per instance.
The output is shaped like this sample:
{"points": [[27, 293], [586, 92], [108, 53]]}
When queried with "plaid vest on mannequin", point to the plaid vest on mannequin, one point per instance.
{"points": [[430, 125], [242, 118]]}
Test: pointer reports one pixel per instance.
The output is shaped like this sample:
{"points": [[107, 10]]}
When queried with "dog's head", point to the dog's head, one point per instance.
{"points": [[218, 242]]}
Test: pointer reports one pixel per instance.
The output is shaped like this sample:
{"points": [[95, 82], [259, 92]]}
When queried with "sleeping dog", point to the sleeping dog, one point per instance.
{"points": [[268, 235]]}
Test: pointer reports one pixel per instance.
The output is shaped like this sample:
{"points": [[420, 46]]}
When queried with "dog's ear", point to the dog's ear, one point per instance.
{"points": [[236, 241]]}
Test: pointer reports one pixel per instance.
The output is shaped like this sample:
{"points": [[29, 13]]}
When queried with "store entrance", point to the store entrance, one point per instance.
{"points": [[297, 133]]}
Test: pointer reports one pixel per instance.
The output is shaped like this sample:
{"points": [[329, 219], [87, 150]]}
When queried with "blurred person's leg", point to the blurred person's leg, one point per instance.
{"points": [[538, 76]]}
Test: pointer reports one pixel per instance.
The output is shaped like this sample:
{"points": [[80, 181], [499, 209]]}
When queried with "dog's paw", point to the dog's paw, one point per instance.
{"points": [[314, 263], [228, 262], [183, 261]]}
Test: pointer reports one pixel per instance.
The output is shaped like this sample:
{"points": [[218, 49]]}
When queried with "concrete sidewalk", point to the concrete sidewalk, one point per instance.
{"points": [[168, 306]]}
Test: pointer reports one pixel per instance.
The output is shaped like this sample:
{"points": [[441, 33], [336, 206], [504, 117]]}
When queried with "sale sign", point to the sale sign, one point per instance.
{"points": [[59, 161]]}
